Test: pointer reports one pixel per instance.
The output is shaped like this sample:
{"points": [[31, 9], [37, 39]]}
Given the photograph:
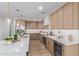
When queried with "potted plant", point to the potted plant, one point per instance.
{"points": [[15, 36], [8, 40]]}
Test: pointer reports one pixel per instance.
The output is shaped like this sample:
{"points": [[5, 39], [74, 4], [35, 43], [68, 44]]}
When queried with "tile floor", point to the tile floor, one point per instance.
{"points": [[38, 49]]}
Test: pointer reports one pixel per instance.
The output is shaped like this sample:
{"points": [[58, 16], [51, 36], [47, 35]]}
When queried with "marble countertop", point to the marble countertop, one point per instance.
{"points": [[17, 48], [61, 40]]}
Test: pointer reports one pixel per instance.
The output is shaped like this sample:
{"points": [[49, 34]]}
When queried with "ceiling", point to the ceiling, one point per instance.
{"points": [[29, 10]]}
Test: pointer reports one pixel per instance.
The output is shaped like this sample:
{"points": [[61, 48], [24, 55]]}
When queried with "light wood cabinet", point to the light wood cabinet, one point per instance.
{"points": [[60, 18], [32, 25], [75, 15], [67, 50], [78, 49], [50, 45], [41, 38], [34, 36], [67, 17], [51, 21], [54, 21], [70, 50]]}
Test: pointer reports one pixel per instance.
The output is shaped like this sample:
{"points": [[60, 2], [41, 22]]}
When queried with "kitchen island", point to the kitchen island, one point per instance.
{"points": [[19, 48]]}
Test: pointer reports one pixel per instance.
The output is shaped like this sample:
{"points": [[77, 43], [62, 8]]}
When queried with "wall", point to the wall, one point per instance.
{"points": [[0, 30], [4, 28], [20, 25], [47, 22], [12, 26]]}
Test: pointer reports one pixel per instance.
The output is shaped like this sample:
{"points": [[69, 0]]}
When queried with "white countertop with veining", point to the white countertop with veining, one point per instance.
{"points": [[15, 49], [64, 37], [62, 41]]}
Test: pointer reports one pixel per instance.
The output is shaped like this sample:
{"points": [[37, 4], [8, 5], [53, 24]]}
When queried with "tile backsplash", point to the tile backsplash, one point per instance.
{"points": [[69, 36]]}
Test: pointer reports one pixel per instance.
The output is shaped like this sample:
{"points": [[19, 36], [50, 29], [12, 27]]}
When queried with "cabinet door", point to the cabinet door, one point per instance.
{"points": [[68, 16], [47, 43], [75, 16], [41, 38], [60, 18], [50, 45], [41, 25], [70, 50], [37, 25], [51, 21], [55, 21]]}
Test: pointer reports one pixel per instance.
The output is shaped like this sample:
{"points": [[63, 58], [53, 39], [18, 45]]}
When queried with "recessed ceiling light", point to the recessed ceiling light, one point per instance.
{"points": [[17, 10], [21, 15], [40, 8]]}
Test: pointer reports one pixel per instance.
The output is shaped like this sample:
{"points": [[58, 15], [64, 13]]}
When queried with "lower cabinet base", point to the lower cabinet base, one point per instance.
{"points": [[70, 50], [50, 45], [67, 50]]}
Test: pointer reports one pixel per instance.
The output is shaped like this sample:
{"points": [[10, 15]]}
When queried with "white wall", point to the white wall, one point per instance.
{"points": [[0, 30], [12, 26], [47, 20], [4, 28]]}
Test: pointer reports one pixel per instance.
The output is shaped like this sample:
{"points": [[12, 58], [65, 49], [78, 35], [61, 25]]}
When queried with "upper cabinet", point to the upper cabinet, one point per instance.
{"points": [[31, 25], [41, 24], [51, 21], [54, 21], [60, 18], [75, 16], [66, 17]]}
